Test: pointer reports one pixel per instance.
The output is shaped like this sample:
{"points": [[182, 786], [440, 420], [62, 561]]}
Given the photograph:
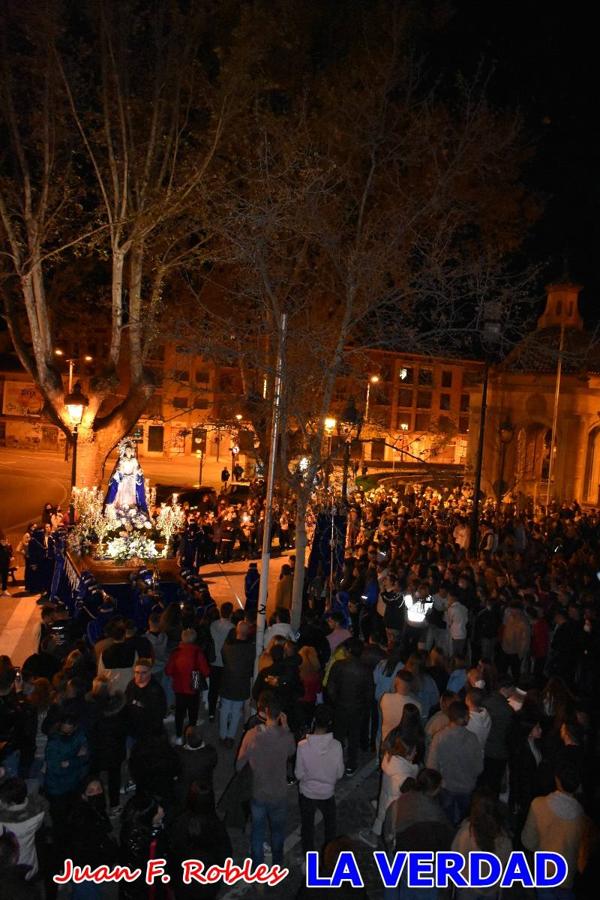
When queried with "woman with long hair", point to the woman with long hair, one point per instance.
{"points": [[198, 833], [424, 687], [266, 659], [483, 831], [311, 681], [397, 764], [524, 773], [385, 672], [437, 668], [142, 839], [412, 731]]}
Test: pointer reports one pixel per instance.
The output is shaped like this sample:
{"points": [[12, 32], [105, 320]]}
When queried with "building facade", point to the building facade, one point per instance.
{"points": [[413, 408]]}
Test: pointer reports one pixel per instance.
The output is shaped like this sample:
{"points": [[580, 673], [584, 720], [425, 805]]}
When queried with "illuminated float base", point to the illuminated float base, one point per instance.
{"points": [[107, 571]]}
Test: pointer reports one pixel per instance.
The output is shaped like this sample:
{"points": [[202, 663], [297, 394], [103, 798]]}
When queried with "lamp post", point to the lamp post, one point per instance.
{"points": [[75, 402], [350, 420], [490, 341], [373, 379], [329, 426], [505, 432], [234, 452], [71, 363]]}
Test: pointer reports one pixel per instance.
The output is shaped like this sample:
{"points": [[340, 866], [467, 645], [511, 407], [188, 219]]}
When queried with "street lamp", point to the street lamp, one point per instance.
{"points": [[349, 421], [373, 379], [234, 452], [490, 340], [505, 433], [404, 429], [71, 362], [75, 403]]}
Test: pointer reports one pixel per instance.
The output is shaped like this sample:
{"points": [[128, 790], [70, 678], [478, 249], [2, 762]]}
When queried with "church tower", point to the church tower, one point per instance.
{"points": [[562, 307]]}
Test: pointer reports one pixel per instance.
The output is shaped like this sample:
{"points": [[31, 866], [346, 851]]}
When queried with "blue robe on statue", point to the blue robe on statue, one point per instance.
{"points": [[126, 486]]}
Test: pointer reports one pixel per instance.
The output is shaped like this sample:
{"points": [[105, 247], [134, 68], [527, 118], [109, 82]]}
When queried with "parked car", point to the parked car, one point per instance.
{"points": [[191, 495]]}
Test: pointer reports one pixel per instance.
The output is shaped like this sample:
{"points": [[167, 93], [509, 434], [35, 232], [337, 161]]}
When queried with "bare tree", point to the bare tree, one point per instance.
{"points": [[373, 213], [112, 126]]}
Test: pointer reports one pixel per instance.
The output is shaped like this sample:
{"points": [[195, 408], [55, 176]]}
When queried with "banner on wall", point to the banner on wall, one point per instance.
{"points": [[21, 398]]}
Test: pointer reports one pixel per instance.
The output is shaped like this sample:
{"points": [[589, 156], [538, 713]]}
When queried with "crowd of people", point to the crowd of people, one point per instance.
{"points": [[468, 678]]}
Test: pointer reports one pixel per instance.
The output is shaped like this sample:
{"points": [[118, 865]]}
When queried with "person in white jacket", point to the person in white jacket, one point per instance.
{"points": [[396, 765], [480, 722], [23, 816], [457, 617], [319, 766]]}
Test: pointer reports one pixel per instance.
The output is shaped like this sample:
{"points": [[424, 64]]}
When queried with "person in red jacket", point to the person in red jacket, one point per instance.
{"points": [[185, 660]]}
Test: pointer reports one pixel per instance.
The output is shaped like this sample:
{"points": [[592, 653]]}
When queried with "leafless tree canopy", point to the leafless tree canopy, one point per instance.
{"points": [[237, 161]]}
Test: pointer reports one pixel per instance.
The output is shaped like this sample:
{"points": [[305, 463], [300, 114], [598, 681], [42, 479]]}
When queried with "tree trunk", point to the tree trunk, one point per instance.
{"points": [[300, 549], [90, 458]]}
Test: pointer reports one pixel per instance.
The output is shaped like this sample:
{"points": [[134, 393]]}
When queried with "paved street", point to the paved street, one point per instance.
{"points": [[28, 479]]}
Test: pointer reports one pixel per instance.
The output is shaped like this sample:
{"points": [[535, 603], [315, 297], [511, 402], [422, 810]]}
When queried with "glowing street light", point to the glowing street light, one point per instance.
{"points": [[373, 379], [75, 403], [330, 424]]}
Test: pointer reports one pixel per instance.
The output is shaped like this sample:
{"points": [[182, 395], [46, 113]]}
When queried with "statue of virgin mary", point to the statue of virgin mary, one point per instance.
{"points": [[126, 484]]}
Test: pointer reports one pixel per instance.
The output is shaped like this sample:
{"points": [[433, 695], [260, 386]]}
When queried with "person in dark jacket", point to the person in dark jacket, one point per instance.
{"points": [[197, 763], [66, 766], [146, 703], [198, 833], [565, 647], [282, 677], [525, 781], [142, 838], [416, 819], [107, 734], [238, 665], [394, 617], [350, 691], [185, 660], [251, 583], [154, 766], [89, 831], [496, 745], [18, 722]]}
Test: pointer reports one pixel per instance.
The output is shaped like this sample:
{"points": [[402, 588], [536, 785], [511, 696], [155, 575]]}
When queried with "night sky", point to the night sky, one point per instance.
{"points": [[542, 60]]}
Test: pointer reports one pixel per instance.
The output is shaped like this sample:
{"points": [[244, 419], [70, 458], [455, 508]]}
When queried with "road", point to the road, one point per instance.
{"points": [[29, 479], [27, 482]]}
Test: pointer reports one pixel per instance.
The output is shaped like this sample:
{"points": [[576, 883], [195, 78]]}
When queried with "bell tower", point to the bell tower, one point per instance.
{"points": [[562, 307]]}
